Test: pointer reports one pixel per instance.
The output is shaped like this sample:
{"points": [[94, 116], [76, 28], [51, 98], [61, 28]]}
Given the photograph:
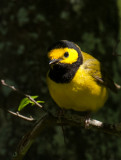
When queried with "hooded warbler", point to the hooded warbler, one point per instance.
{"points": [[76, 80]]}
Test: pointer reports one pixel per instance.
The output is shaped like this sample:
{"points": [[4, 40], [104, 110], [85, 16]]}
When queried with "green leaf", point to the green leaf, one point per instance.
{"points": [[27, 101], [40, 102], [37, 102], [34, 97]]}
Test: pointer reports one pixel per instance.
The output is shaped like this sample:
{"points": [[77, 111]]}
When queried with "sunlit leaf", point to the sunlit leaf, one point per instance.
{"points": [[27, 101]]}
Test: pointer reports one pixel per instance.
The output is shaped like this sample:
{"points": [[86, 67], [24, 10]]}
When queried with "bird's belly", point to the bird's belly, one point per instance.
{"points": [[79, 95]]}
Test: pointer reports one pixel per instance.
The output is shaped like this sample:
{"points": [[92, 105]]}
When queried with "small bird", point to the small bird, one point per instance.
{"points": [[77, 80]]}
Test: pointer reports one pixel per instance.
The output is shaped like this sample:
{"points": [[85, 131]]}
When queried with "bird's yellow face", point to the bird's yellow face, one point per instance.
{"points": [[63, 55]]}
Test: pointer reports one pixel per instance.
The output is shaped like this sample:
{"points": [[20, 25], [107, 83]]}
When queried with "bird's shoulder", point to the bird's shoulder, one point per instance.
{"points": [[91, 65], [96, 70]]}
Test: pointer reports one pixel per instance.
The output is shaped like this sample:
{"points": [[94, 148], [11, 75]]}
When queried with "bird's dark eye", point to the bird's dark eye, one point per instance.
{"points": [[66, 54]]}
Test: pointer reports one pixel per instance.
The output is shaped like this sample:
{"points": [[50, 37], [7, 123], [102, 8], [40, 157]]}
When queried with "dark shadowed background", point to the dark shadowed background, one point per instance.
{"points": [[27, 29]]}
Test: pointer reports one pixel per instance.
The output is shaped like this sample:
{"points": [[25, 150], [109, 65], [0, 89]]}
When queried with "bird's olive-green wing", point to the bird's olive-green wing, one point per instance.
{"points": [[102, 77]]}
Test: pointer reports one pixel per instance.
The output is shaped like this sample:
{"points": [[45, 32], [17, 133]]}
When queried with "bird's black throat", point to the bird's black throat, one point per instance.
{"points": [[63, 72]]}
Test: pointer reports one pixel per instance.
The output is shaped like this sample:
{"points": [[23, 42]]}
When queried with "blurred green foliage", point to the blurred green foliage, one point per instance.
{"points": [[27, 29]]}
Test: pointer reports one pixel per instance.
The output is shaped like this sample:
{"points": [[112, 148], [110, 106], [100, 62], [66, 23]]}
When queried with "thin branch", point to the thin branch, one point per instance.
{"points": [[28, 138], [49, 120], [20, 92], [17, 114]]}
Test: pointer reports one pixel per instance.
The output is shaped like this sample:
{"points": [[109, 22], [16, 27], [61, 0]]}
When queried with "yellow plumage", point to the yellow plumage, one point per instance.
{"points": [[87, 90]]}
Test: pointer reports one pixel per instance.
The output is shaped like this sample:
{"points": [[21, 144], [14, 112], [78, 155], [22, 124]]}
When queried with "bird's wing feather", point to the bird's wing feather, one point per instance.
{"points": [[102, 77]]}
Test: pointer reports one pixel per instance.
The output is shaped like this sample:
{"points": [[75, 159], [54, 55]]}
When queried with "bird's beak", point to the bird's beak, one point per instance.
{"points": [[53, 61]]}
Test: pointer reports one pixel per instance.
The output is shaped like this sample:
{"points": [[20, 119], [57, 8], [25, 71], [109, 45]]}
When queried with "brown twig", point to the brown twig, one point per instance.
{"points": [[49, 120], [17, 114], [20, 92], [28, 139]]}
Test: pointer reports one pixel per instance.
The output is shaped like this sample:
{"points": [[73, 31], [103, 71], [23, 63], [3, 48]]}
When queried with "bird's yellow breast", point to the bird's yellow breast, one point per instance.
{"points": [[83, 93]]}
